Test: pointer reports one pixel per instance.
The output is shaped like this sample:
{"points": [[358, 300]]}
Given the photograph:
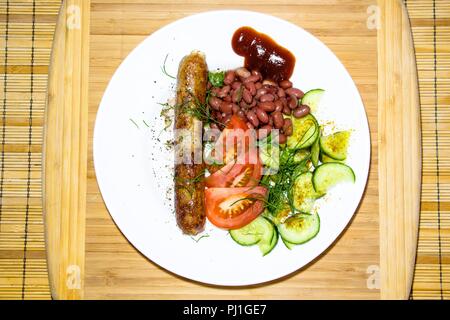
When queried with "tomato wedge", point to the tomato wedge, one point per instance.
{"points": [[234, 208], [238, 172], [237, 136]]}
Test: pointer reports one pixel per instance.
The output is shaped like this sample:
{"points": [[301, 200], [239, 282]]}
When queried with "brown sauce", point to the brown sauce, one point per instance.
{"points": [[262, 53]]}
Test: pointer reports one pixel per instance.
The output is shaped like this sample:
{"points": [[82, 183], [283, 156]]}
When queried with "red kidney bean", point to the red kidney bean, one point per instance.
{"points": [[251, 116], [243, 104], [242, 72], [287, 127], [270, 121], [260, 92], [222, 93], [278, 105], [218, 116], [229, 77], [209, 85], [215, 91], [278, 120], [267, 97], [284, 102], [262, 115], [251, 79], [241, 114], [236, 95], [296, 92], [215, 103], [287, 111], [235, 108], [247, 96], [251, 87], [281, 93], [236, 85], [227, 98], [257, 73], [271, 89], [267, 106], [226, 107], [282, 139], [286, 84], [250, 126], [226, 118], [258, 85], [292, 102], [253, 104], [301, 111]]}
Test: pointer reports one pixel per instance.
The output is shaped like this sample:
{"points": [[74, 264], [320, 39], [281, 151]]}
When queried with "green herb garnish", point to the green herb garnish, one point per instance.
{"points": [[216, 78], [163, 68], [134, 122]]}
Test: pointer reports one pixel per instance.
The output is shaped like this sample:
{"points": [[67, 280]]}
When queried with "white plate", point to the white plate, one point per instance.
{"points": [[134, 168]]}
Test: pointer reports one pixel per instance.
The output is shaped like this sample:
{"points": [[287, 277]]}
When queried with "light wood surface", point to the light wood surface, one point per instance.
{"points": [[114, 269], [399, 146], [24, 59], [65, 152]]}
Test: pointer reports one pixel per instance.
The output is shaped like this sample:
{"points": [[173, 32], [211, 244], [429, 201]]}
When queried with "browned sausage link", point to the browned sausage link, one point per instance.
{"points": [[189, 184]]}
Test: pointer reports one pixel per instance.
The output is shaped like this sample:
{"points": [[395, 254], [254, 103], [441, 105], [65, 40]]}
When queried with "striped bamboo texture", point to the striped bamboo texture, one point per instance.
{"points": [[26, 34], [430, 21], [113, 268]]}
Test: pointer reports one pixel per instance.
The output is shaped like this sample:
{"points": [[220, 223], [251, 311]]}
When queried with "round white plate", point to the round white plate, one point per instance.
{"points": [[134, 166]]}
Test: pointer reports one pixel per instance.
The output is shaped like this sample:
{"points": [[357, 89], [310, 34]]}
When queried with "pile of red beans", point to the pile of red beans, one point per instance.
{"points": [[261, 103]]}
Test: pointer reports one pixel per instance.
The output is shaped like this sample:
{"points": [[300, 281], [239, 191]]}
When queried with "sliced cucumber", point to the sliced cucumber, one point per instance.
{"points": [[258, 230], [267, 247], [300, 228], [312, 98], [315, 152], [325, 159], [328, 175], [288, 245], [304, 194], [301, 155], [335, 145], [306, 131], [270, 155]]}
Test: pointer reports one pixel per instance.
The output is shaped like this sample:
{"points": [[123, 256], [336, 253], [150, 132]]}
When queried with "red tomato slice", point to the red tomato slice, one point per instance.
{"points": [[237, 136], [234, 208], [238, 172]]}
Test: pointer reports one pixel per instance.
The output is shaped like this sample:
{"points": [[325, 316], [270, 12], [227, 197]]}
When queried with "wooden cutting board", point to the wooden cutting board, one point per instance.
{"points": [[374, 258]]}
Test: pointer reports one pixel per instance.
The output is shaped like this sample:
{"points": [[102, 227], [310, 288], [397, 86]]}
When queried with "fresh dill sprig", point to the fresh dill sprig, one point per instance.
{"points": [[200, 238], [134, 122], [163, 68]]}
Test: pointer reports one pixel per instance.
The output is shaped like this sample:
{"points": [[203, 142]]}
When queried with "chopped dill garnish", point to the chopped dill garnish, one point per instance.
{"points": [[146, 124], [163, 68], [134, 122], [200, 238]]}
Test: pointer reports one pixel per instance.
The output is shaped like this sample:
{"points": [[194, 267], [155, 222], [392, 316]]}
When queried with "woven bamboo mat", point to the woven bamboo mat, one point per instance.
{"points": [[26, 33]]}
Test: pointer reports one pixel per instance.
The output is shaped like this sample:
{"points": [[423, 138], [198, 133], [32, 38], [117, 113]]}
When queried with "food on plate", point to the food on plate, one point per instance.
{"points": [[189, 182], [269, 162]]}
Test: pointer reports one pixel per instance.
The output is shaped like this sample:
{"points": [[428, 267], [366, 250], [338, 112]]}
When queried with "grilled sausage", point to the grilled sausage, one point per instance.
{"points": [[189, 173]]}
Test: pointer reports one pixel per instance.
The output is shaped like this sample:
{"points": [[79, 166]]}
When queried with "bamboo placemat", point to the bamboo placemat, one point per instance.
{"points": [[26, 33]]}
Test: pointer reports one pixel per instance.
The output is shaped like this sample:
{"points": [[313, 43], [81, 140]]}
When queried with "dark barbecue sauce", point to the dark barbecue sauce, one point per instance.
{"points": [[262, 53]]}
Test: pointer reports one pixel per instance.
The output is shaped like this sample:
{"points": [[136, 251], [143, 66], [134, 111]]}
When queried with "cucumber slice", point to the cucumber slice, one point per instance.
{"points": [[315, 152], [306, 131], [304, 194], [258, 230], [312, 98], [300, 228], [301, 155], [326, 159], [288, 245], [267, 247], [329, 174], [335, 145]]}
